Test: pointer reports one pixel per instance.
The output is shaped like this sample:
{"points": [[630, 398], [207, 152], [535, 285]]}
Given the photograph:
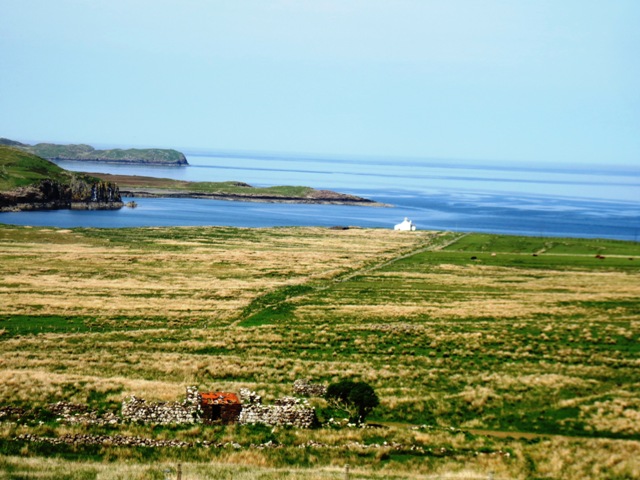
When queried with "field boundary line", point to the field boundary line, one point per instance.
{"points": [[354, 273], [422, 249]]}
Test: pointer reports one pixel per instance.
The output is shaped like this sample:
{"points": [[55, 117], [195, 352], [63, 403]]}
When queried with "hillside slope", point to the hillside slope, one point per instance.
{"points": [[28, 182]]}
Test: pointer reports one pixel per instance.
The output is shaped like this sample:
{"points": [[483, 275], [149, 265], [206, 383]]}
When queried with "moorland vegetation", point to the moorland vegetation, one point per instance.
{"points": [[515, 357]]}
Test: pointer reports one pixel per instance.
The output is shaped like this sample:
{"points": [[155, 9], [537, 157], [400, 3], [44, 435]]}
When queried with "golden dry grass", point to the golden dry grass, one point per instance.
{"points": [[456, 344], [204, 277]]}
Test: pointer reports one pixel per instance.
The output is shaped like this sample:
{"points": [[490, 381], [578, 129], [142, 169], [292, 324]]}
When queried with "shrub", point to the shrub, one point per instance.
{"points": [[358, 399]]}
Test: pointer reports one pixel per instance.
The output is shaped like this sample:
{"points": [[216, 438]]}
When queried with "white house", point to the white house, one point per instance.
{"points": [[406, 225]]}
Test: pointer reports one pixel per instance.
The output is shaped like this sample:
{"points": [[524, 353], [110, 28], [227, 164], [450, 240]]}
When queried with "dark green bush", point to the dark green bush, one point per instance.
{"points": [[358, 399]]}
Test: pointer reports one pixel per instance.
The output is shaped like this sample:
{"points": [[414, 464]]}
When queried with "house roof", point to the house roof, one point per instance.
{"points": [[219, 398]]}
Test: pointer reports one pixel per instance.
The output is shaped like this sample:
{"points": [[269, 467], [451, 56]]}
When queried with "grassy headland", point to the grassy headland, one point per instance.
{"points": [[21, 169], [511, 355], [149, 156], [28, 181], [139, 186]]}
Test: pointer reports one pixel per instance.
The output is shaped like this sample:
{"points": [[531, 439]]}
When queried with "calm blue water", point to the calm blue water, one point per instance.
{"points": [[435, 194]]}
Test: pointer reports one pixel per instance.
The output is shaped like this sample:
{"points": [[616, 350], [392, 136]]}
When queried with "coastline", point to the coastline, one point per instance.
{"points": [[134, 162], [152, 187], [87, 153], [338, 199], [37, 206]]}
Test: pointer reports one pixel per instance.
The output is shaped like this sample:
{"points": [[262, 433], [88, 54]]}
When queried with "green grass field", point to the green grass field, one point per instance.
{"points": [[512, 355]]}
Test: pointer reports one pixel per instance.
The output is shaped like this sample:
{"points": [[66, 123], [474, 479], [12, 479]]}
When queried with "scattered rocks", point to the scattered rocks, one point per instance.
{"points": [[67, 409], [127, 441], [8, 411], [71, 413], [111, 440], [75, 413]]}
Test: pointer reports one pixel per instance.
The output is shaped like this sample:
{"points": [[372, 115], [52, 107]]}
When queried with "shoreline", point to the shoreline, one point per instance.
{"points": [[139, 163], [258, 198], [152, 187], [44, 206]]}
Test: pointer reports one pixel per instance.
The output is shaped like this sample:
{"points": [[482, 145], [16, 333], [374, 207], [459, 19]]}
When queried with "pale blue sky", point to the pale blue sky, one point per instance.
{"points": [[521, 80]]}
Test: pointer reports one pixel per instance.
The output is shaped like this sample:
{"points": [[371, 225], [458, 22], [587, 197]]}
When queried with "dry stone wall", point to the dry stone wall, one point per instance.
{"points": [[248, 397], [286, 411], [75, 413], [164, 413], [305, 388]]}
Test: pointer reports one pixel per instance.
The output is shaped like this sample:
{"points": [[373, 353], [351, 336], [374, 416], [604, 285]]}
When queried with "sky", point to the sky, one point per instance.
{"points": [[510, 80]]}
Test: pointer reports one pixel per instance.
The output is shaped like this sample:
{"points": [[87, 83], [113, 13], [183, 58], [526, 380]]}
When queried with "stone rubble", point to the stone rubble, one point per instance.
{"points": [[111, 440], [75, 413], [126, 441], [9, 411]]}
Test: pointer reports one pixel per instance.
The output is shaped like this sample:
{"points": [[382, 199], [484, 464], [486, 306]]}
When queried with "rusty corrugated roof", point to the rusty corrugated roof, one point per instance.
{"points": [[219, 398]]}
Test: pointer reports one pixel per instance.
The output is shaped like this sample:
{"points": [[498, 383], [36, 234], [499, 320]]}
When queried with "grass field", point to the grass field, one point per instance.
{"points": [[512, 355]]}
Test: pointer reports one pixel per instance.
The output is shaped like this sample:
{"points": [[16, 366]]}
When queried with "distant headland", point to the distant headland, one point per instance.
{"points": [[86, 153], [139, 186], [28, 182]]}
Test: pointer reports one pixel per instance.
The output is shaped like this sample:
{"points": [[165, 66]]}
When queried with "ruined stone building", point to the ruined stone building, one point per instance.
{"points": [[220, 407]]}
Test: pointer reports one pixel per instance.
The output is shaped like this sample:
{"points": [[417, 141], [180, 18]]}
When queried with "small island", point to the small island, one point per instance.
{"points": [[28, 182], [86, 153], [139, 186]]}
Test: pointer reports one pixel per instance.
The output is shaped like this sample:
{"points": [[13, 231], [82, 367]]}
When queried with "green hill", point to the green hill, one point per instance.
{"points": [[80, 152], [19, 169], [29, 182]]}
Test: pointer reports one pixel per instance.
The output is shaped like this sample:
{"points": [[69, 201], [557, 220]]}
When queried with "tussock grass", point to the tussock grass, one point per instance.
{"points": [[546, 345]]}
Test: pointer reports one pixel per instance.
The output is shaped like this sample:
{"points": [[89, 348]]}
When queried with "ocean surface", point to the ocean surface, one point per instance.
{"points": [[539, 200]]}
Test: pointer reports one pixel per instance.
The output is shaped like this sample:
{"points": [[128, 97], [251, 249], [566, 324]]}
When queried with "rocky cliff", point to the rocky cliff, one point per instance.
{"points": [[50, 195], [28, 182]]}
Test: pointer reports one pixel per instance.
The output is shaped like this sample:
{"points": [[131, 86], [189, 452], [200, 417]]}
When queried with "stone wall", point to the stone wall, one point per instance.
{"points": [[305, 388], [248, 397], [286, 411], [75, 413], [164, 413]]}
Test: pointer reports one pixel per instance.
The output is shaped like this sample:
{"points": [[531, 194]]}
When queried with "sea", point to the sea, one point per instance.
{"points": [[542, 199]]}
